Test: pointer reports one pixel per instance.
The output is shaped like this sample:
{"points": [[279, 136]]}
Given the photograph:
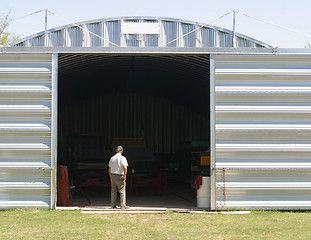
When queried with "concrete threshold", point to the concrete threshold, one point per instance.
{"points": [[134, 210], [151, 210]]}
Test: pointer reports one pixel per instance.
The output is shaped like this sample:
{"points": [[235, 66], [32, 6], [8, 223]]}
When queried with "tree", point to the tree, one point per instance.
{"points": [[6, 37]]}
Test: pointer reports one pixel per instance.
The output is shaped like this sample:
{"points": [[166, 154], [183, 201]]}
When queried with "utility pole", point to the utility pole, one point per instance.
{"points": [[233, 30], [46, 29]]}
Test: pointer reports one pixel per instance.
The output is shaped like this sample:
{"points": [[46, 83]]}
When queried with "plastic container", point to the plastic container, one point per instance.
{"points": [[204, 194]]}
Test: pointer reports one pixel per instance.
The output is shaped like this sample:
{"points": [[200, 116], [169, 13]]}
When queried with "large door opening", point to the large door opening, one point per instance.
{"points": [[156, 106]]}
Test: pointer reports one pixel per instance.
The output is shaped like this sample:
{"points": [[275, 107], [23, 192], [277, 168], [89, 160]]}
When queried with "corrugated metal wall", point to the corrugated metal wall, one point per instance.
{"points": [[263, 131], [172, 33], [25, 126]]}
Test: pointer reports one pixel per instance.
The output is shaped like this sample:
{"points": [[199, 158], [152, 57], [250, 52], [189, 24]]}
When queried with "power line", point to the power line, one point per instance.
{"points": [[15, 19], [204, 25], [94, 34], [276, 25], [201, 26], [255, 18]]}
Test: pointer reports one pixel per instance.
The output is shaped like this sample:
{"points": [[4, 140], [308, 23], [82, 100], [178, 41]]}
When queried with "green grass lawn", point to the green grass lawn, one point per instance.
{"points": [[57, 224]]}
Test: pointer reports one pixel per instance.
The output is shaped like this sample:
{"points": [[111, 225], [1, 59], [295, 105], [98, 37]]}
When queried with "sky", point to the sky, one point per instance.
{"points": [[292, 14]]}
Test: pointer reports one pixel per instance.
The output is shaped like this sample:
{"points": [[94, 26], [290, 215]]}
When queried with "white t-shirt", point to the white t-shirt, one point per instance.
{"points": [[117, 163]]}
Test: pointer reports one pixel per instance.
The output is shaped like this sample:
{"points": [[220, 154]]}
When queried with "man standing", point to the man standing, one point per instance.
{"points": [[117, 172]]}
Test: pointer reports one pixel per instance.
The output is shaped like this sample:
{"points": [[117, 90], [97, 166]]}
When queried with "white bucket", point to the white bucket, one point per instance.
{"points": [[204, 194]]}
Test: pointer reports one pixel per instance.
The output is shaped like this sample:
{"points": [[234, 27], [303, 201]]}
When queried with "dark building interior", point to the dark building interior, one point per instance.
{"points": [[155, 106]]}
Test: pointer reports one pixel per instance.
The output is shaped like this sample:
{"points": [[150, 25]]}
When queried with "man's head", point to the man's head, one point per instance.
{"points": [[119, 149]]}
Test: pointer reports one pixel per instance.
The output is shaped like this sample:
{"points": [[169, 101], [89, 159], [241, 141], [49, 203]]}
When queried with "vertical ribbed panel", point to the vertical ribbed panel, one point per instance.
{"points": [[76, 36], [170, 30], [224, 39], [25, 126], [263, 131], [208, 37], [108, 33], [56, 38], [95, 28], [241, 42], [189, 38], [131, 40], [151, 40], [37, 41], [114, 32]]}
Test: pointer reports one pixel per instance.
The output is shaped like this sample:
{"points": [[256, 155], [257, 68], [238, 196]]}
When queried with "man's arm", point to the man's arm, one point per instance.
{"points": [[125, 172], [109, 171]]}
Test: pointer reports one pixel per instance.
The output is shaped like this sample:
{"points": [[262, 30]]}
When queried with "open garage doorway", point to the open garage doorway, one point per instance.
{"points": [[156, 106]]}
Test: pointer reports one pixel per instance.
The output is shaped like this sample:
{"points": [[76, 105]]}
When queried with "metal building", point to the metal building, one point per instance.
{"points": [[251, 102], [139, 32]]}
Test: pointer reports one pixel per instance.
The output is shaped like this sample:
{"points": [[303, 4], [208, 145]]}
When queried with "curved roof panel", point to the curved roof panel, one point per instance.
{"points": [[139, 32]]}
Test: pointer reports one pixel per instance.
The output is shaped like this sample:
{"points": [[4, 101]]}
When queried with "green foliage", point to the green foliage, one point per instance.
{"points": [[6, 37]]}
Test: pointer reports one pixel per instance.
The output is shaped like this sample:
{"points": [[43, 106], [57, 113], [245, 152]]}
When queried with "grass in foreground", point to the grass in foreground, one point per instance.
{"points": [[56, 224]]}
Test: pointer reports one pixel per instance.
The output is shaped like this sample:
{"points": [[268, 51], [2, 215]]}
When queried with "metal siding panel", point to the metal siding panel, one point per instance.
{"points": [[114, 32], [56, 38], [37, 41], [241, 42], [151, 40], [208, 37], [224, 39], [76, 36], [170, 30], [264, 189], [54, 130], [263, 131], [25, 124], [131, 40], [212, 133], [97, 29], [189, 39], [131, 20]]}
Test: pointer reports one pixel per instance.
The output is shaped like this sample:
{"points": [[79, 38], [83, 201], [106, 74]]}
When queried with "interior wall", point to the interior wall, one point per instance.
{"points": [[162, 124]]}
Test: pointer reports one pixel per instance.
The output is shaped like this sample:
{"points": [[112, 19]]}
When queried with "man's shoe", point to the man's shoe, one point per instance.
{"points": [[113, 207], [125, 207]]}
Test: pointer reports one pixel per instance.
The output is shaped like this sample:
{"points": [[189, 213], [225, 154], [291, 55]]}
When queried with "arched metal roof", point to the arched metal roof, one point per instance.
{"points": [[139, 32]]}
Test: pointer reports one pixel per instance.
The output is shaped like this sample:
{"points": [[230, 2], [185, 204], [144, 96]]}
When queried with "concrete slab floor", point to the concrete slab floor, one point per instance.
{"points": [[165, 201], [141, 202]]}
